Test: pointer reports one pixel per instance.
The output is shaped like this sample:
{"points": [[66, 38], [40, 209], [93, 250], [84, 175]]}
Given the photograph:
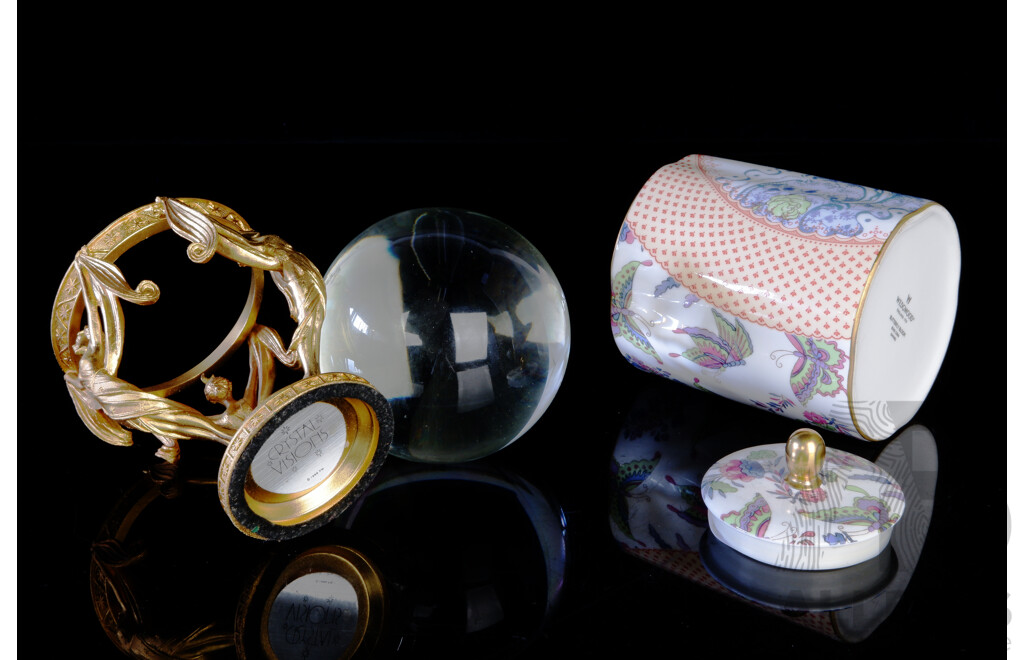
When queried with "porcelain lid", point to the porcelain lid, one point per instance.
{"points": [[801, 506]]}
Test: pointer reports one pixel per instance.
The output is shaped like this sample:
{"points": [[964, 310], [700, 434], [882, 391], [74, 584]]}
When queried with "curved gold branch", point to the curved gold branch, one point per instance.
{"points": [[105, 276], [102, 285], [108, 245], [292, 272]]}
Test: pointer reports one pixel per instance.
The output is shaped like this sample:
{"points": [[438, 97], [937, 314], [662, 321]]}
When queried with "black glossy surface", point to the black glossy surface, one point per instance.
{"points": [[564, 179], [809, 591]]}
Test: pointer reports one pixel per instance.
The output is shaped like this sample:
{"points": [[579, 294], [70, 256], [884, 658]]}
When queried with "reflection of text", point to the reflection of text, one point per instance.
{"points": [[317, 625]]}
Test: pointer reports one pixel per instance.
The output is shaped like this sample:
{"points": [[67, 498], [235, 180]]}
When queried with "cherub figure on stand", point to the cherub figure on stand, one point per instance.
{"points": [[264, 345]]}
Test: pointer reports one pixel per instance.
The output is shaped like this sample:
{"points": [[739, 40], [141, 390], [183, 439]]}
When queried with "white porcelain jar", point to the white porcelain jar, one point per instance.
{"points": [[826, 302]]}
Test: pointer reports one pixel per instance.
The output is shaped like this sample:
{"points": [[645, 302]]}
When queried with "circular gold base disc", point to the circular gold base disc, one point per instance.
{"points": [[304, 455]]}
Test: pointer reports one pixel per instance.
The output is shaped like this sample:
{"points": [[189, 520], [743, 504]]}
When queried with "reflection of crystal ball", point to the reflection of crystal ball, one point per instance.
{"points": [[457, 320]]}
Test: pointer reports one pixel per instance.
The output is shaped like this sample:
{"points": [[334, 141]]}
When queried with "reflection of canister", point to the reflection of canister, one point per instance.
{"points": [[827, 302]]}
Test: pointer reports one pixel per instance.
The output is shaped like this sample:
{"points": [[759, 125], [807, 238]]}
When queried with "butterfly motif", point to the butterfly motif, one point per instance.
{"points": [[829, 423], [626, 479], [867, 512], [693, 509], [753, 518], [816, 371], [838, 538], [729, 348], [625, 322], [802, 539], [776, 403], [658, 540]]}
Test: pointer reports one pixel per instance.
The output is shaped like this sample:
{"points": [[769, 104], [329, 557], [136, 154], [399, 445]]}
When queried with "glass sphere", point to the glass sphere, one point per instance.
{"points": [[456, 319]]}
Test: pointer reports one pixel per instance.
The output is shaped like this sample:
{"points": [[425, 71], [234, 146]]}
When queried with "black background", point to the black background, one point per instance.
{"points": [[555, 143]]}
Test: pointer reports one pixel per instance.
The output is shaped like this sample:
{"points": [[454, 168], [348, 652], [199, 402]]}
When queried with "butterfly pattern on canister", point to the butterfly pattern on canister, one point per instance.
{"points": [[817, 367], [626, 323], [728, 348], [627, 479], [746, 281]]}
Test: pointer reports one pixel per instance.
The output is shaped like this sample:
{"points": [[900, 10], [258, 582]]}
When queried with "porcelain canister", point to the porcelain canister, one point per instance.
{"points": [[827, 302]]}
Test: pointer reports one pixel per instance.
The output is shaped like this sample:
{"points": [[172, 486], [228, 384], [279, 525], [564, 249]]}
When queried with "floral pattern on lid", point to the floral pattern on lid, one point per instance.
{"points": [[856, 503]]}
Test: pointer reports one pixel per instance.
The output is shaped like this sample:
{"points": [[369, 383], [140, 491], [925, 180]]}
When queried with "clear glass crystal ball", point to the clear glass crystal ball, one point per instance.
{"points": [[455, 318]]}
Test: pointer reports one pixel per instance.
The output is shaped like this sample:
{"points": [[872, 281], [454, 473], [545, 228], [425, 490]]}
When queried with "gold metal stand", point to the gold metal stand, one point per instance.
{"points": [[293, 457]]}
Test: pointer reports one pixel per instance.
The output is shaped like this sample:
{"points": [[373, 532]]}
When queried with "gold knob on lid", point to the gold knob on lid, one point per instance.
{"points": [[805, 455]]}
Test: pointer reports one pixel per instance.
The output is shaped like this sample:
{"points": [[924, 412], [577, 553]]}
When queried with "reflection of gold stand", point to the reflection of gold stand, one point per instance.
{"points": [[120, 610], [326, 601], [324, 436]]}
